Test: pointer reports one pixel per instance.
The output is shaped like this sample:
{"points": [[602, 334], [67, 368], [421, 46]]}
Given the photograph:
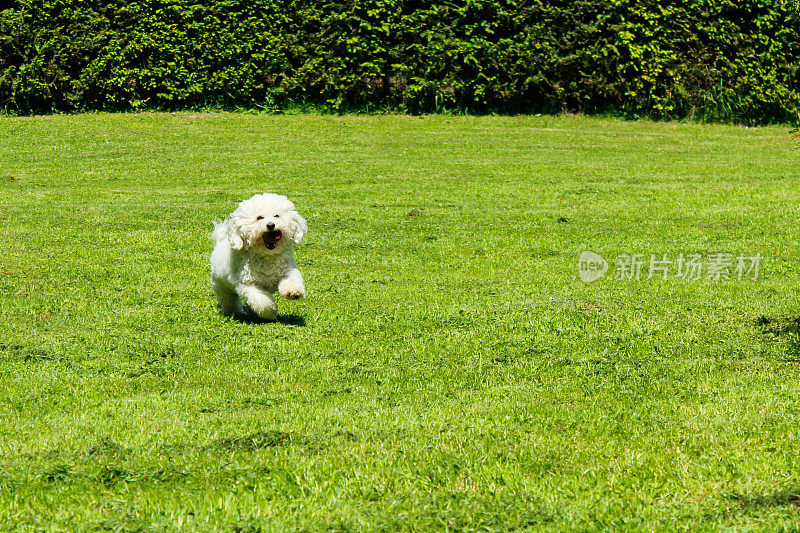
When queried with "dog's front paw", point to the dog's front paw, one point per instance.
{"points": [[292, 291], [294, 294]]}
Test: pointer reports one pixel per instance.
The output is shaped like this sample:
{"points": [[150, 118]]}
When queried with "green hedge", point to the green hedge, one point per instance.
{"points": [[734, 60]]}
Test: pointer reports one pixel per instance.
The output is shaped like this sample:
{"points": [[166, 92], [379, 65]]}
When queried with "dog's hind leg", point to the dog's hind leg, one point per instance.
{"points": [[229, 303]]}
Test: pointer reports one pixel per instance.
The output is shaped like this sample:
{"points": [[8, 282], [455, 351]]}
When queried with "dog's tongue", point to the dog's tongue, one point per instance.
{"points": [[271, 238]]}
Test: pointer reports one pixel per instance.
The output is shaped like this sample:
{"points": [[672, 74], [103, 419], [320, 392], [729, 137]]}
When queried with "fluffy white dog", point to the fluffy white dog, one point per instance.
{"points": [[253, 257]]}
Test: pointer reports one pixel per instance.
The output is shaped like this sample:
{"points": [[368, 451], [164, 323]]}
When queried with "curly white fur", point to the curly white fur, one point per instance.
{"points": [[253, 257]]}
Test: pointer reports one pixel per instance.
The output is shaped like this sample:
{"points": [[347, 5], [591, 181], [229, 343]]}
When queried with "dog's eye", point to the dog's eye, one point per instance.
{"points": [[277, 216], [259, 217]]}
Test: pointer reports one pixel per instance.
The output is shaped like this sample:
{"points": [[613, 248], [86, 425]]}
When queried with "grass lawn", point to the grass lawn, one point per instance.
{"points": [[449, 369]]}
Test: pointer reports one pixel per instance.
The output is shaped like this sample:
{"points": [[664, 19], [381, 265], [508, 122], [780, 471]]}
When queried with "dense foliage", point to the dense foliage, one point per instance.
{"points": [[711, 59]]}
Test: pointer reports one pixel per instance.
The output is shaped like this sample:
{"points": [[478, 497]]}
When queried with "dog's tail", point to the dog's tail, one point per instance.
{"points": [[220, 230], [225, 231]]}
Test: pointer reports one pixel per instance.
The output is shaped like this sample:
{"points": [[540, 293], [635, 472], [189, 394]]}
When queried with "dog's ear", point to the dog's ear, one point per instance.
{"points": [[298, 225], [234, 236]]}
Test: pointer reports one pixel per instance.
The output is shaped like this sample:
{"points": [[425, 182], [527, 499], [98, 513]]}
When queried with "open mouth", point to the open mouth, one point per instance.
{"points": [[271, 238]]}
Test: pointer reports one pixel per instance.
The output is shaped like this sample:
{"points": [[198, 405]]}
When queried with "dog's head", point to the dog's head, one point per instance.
{"points": [[267, 223]]}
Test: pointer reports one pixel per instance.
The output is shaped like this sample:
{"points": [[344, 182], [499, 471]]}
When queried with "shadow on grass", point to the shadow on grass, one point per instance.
{"points": [[786, 329], [781, 498], [27, 354], [743, 504], [255, 441], [286, 320], [780, 326]]}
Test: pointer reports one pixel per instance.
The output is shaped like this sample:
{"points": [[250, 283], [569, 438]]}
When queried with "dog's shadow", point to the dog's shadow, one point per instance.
{"points": [[287, 320]]}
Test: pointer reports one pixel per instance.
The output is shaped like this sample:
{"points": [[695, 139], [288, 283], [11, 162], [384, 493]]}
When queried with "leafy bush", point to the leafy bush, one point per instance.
{"points": [[711, 59]]}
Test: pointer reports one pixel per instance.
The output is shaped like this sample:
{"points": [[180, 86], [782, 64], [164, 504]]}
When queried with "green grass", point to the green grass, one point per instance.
{"points": [[448, 369]]}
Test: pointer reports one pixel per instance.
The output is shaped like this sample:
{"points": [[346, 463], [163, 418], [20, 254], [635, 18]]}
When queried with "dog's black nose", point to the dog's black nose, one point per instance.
{"points": [[271, 226]]}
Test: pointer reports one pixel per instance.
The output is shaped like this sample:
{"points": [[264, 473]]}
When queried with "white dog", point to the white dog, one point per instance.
{"points": [[253, 258]]}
